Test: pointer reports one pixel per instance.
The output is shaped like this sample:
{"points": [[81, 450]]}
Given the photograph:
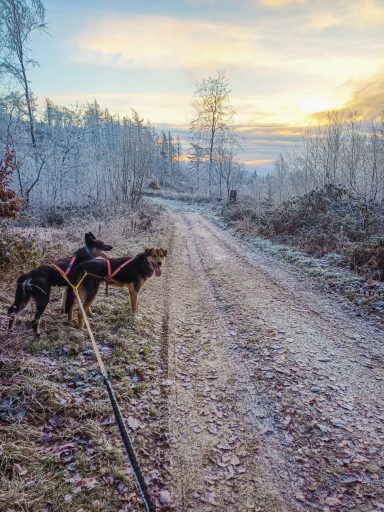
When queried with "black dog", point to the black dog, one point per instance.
{"points": [[38, 282], [126, 271]]}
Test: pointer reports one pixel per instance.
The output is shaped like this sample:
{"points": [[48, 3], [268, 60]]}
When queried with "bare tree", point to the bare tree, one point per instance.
{"points": [[196, 159], [345, 150], [282, 169], [227, 166], [353, 151], [213, 116], [18, 20], [332, 137]]}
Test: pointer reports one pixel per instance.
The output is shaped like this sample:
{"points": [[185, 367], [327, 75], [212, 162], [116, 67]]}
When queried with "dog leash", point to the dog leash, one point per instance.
{"points": [[132, 457], [64, 275]]}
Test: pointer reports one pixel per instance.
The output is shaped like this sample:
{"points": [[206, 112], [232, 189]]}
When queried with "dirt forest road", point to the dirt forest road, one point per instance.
{"points": [[275, 388]]}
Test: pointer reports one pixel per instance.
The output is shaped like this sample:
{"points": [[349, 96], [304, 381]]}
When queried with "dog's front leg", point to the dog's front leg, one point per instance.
{"points": [[69, 304], [135, 310]]}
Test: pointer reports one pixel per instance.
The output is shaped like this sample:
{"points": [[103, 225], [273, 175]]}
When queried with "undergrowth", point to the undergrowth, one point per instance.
{"points": [[324, 221], [60, 449]]}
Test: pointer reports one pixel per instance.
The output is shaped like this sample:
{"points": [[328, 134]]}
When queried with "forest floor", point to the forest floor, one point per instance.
{"points": [[245, 387]]}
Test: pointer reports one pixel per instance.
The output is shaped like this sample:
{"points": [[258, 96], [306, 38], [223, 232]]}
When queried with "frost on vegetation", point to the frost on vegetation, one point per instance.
{"points": [[327, 232]]}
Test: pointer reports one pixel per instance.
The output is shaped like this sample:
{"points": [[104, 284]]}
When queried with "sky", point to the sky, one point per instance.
{"points": [[285, 60]]}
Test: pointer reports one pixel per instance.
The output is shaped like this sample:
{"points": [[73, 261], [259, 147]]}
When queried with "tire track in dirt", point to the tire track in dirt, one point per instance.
{"points": [[164, 346], [217, 460], [284, 288], [317, 365]]}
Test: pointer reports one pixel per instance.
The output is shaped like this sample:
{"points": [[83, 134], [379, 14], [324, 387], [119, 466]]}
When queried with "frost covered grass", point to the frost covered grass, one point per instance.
{"points": [[60, 447], [173, 195]]}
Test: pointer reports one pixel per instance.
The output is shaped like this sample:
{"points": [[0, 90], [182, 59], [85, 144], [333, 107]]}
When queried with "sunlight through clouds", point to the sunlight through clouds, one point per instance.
{"points": [[315, 73], [368, 98], [199, 46]]}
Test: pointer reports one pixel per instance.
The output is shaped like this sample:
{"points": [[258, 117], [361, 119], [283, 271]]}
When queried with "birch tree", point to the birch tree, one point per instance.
{"points": [[211, 125]]}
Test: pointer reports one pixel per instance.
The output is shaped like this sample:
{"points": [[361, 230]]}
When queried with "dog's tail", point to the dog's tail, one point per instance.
{"points": [[23, 292], [22, 297]]}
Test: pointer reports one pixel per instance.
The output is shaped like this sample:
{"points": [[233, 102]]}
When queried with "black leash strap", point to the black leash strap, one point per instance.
{"points": [[141, 484]]}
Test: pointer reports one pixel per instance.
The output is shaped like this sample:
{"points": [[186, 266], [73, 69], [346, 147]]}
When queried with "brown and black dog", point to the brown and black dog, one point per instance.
{"points": [[38, 282], [126, 271]]}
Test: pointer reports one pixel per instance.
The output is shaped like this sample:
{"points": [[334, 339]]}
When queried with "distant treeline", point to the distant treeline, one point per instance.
{"points": [[343, 150], [86, 154]]}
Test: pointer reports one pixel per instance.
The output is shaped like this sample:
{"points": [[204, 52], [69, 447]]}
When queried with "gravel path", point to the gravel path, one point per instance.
{"points": [[275, 389]]}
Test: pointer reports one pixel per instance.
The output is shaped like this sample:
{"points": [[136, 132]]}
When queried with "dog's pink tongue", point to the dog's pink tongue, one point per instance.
{"points": [[157, 270]]}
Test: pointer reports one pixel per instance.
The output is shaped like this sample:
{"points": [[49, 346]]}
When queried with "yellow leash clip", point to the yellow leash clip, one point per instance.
{"points": [[62, 273]]}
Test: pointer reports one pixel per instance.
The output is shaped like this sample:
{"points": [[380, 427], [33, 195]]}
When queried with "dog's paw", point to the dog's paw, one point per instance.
{"points": [[137, 316]]}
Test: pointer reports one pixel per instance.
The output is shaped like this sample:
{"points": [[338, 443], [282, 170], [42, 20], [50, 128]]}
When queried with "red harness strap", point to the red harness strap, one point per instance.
{"points": [[70, 264], [67, 270], [111, 274], [109, 278]]}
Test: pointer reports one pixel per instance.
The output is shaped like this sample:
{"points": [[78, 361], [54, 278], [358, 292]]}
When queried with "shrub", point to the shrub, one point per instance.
{"points": [[17, 250], [234, 212], [323, 221], [368, 259]]}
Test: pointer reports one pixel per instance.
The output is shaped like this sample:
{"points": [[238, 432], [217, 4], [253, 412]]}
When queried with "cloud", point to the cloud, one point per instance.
{"points": [[261, 144], [372, 12], [279, 3], [331, 13], [322, 21], [274, 79], [368, 99], [175, 109], [358, 13], [160, 42]]}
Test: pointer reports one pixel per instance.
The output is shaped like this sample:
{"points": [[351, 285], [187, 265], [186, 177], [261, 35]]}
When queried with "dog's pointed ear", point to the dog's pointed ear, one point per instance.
{"points": [[148, 250], [87, 239], [92, 236], [165, 252]]}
